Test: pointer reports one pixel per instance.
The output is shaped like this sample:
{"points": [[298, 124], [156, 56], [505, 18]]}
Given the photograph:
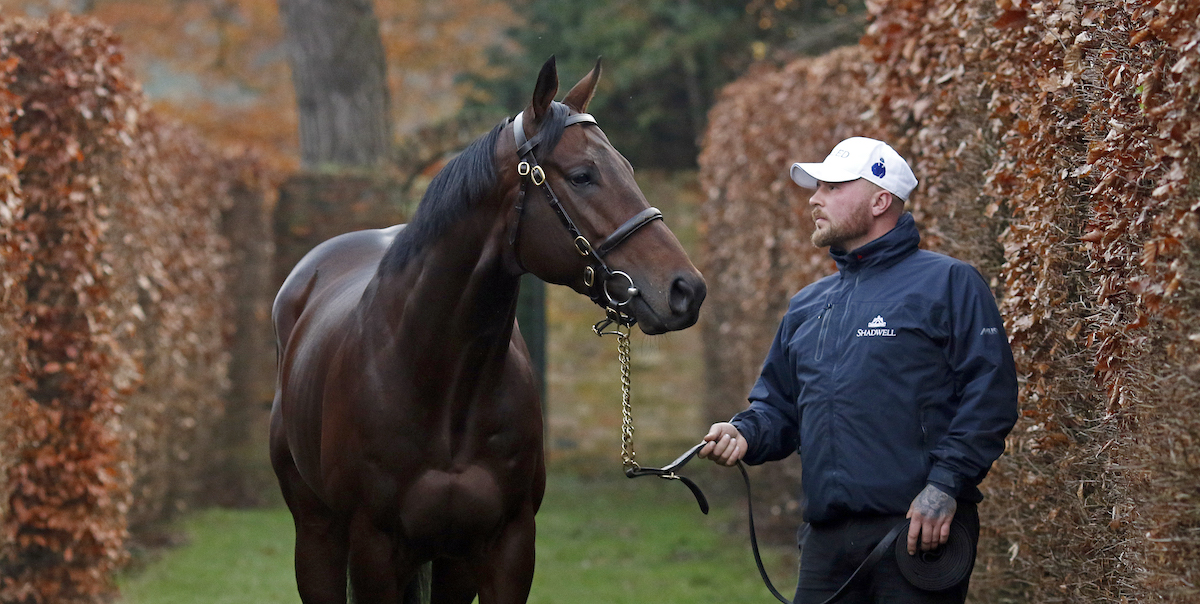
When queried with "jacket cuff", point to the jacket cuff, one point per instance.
{"points": [[749, 432], [946, 481]]}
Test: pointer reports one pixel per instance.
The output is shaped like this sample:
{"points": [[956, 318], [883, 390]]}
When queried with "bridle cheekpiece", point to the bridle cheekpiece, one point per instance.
{"points": [[600, 280]]}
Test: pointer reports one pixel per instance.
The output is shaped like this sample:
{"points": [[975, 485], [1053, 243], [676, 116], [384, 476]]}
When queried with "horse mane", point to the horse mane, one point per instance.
{"points": [[463, 182]]}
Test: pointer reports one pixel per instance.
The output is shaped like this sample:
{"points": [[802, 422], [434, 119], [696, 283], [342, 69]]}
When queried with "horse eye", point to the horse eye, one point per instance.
{"points": [[581, 179]]}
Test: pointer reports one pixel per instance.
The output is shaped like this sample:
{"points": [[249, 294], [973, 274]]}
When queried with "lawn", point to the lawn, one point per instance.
{"points": [[600, 540]]}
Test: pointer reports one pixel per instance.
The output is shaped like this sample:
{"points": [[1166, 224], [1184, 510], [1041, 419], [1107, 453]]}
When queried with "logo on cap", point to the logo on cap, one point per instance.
{"points": [[878, 170]]}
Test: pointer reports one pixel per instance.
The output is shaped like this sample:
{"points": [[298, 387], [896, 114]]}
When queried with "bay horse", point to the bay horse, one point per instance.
{"points": [[406, 426]]}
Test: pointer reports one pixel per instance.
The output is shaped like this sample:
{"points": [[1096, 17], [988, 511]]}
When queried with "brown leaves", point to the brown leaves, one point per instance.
{"points": [[113, 308], [1058, 148]]}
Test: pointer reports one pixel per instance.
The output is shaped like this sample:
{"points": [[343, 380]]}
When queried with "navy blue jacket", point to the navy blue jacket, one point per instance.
{"points": [[892, 374]]}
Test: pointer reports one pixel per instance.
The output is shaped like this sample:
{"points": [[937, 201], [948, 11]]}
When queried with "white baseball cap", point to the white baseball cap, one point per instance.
{"points": [[860, 157]]}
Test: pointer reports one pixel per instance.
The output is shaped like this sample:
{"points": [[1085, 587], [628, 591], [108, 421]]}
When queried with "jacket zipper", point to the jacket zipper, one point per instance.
{"points": [[824, 329]]}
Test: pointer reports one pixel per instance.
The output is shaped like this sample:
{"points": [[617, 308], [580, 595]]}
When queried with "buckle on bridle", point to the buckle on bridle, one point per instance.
{"points": [[583, 245]]}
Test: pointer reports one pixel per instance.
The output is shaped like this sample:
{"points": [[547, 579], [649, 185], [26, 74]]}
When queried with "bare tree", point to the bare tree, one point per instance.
{"points": [[340, 74]]}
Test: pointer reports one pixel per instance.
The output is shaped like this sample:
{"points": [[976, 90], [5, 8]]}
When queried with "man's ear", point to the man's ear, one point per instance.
{"points": [[883, 201]]}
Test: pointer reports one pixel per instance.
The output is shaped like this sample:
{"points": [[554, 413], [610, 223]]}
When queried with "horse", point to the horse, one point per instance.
{"points": [[406, 429]]}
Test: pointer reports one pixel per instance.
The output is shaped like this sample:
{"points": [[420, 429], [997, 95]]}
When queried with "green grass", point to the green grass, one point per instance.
{"points": [[600, 540], [229, 557], [616, 541]]}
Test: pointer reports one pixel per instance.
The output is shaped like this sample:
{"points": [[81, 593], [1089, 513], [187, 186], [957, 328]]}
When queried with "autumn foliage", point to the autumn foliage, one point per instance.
{"points": [[1058, 147], [112, 313]]}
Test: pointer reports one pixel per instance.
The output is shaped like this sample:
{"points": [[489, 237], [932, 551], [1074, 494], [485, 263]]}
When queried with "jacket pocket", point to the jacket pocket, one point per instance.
{"points": [[824, 317]]}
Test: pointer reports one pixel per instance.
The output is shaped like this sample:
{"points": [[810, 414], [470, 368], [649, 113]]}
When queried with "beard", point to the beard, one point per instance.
{"points": [[834, 234]]}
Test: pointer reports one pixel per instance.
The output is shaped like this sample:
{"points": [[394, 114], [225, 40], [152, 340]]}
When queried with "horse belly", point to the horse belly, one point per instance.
{"points": [[450, 512]]}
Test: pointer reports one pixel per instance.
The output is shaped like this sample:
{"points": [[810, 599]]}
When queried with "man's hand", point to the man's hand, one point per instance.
{"points": [[930, 515], [726, 445]]}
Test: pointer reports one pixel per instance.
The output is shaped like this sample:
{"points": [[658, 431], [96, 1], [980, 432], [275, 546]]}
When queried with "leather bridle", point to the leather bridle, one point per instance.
{"points": [[603, 283]]}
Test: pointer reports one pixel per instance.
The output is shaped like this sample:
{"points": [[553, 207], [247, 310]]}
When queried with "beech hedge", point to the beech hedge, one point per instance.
{"points": [[113, 316], [1058, 147]]}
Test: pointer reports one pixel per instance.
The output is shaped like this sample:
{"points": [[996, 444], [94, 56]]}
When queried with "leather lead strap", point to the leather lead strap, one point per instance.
{"points": [[949, 567]]}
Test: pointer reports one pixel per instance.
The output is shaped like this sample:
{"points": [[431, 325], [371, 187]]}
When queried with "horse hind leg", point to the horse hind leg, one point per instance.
{"points": [[453, 582], [382, 568], [418, 590]]}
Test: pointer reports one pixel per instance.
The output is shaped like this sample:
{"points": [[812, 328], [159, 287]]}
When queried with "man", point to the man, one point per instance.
{"points": [[893, 379]]}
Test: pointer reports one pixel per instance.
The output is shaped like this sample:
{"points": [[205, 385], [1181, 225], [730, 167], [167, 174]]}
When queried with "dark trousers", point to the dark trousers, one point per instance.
{"points": [[829, 553]]}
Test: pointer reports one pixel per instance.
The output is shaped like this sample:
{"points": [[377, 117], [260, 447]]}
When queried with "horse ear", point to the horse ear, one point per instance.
{"points": [[545, 89], [582, 93]]}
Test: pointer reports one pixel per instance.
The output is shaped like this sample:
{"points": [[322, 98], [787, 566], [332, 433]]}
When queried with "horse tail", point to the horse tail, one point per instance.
{"points": [[420, 589]]}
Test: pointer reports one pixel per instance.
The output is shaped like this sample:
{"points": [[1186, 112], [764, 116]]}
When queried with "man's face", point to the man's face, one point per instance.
{"points": [[842, 213]]}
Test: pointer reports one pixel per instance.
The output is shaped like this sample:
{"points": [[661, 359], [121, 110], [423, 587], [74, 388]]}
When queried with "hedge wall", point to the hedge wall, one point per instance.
{"points": [[112, 311], [1058, 145]]}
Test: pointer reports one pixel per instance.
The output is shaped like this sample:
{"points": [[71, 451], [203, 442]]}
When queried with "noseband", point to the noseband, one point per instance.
{"points": [[597, 276]]}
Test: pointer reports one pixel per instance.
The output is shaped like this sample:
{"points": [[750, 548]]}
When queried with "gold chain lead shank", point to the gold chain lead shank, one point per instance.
{"points": [[628, 455]]}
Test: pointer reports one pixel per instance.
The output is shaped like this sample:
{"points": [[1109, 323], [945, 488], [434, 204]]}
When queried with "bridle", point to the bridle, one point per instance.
{"points": [[603, 283]]}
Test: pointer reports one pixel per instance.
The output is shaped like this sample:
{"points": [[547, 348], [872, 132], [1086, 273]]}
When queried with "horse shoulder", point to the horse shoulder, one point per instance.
{"points": [[338, 262]]}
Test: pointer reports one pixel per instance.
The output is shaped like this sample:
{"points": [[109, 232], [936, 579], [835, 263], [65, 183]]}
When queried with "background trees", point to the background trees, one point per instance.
{"points": [[222, 65], [340, 75], [667, 59]]}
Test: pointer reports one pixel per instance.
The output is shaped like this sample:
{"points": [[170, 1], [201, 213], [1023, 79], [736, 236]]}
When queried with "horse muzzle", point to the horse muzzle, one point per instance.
{"points": [[676, 308]]}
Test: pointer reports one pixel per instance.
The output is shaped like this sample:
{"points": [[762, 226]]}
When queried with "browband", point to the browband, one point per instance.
{"points": [[524, 145]]}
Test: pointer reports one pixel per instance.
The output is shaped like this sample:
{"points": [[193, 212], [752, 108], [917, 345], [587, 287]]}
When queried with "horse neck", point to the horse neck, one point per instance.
{"points": [[455, 300]]}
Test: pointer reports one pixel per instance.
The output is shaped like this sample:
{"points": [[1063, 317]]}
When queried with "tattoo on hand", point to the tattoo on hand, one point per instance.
{"points": [[933, 503]]}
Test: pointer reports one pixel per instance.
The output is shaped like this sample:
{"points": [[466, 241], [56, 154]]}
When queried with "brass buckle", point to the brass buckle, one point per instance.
{"points": [[584, 247], [537, 175], [523, 168]]}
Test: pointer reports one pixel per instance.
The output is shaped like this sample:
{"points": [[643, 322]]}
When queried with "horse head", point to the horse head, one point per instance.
{"points": [[581, 220]]}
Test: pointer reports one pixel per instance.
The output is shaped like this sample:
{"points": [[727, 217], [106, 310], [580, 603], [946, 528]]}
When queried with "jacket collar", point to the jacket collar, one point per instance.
{"points": [[895, 245]]}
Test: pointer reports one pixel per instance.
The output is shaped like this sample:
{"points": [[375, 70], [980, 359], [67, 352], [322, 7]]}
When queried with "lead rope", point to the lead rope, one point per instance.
{"points": [[623, 323]]}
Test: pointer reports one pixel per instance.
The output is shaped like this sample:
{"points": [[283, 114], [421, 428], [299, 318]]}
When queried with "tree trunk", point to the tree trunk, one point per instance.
{"points": [[340, 74]]}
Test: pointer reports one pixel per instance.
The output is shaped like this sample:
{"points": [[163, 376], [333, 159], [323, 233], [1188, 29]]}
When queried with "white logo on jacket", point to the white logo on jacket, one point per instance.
{"points": [[876, 328]]}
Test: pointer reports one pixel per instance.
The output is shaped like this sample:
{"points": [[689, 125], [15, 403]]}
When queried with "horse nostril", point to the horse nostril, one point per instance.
{"points": [[684, 296]]}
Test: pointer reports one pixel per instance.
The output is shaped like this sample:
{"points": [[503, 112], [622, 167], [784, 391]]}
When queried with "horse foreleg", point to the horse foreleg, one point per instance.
{"points": [[506, 576], [320, 538], [320, 560], [380, 567]]}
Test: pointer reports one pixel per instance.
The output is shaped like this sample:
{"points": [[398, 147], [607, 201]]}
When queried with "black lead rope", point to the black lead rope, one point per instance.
{"points": [[667, 472], [934, 570]]}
